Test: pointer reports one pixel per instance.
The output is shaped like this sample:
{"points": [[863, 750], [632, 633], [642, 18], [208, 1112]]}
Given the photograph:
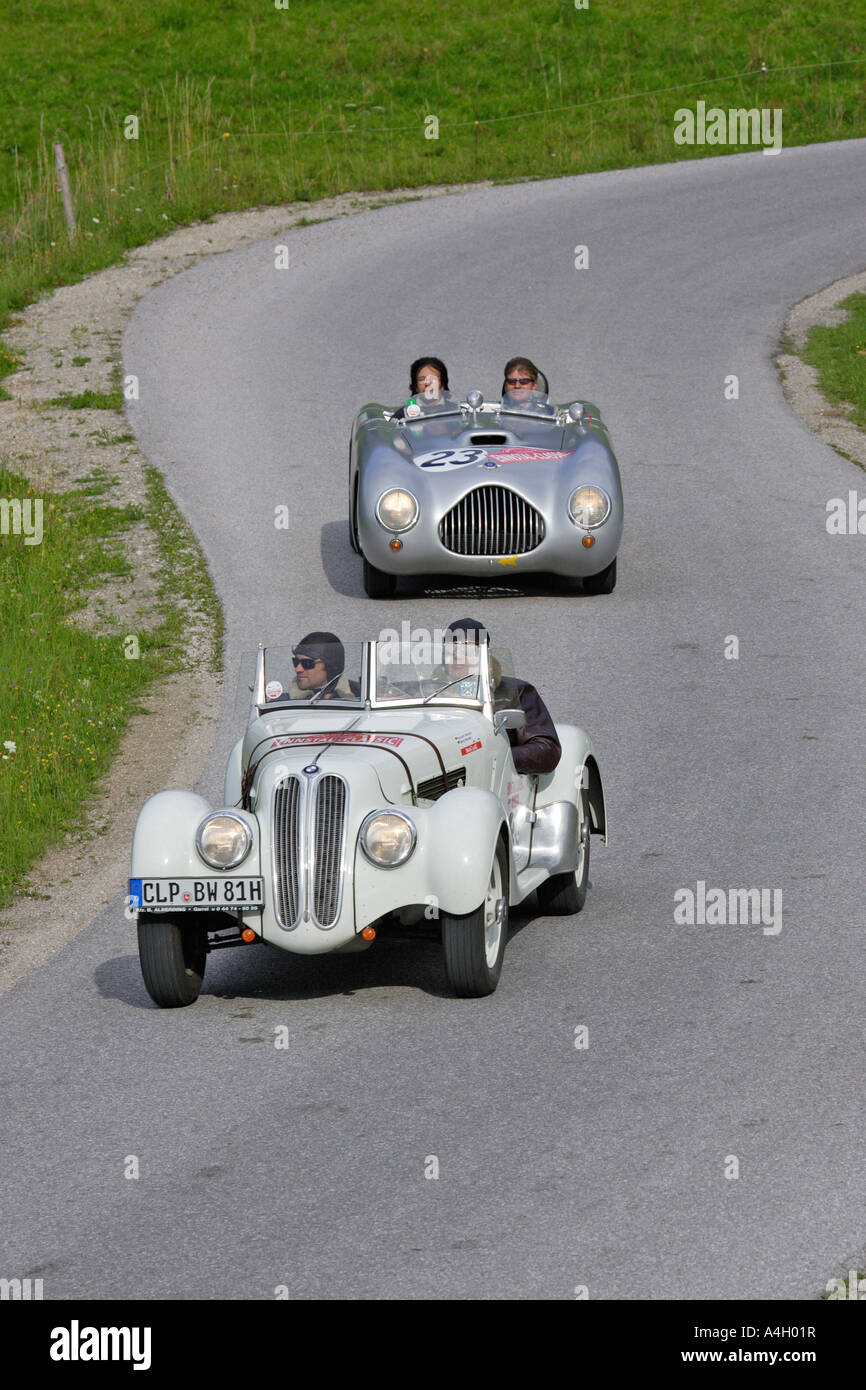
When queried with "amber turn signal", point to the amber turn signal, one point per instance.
{"points": [[588, 541], [248, 934], [369, 933], [396, 544]]}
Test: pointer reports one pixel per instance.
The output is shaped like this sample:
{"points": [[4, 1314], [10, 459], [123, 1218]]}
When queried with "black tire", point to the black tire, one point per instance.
{"points": [[474, 943], [376, 583], [562, 895], [354, 539], [602, 583], [172, 951]]}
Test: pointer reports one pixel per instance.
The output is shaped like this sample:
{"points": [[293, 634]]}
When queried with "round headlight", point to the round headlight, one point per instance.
{"points": [[223, 841], [397, 510], [388, 838], [589, 506]]}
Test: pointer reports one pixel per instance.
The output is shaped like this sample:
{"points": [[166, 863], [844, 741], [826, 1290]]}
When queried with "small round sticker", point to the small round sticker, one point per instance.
{"points": [[273, 689]]}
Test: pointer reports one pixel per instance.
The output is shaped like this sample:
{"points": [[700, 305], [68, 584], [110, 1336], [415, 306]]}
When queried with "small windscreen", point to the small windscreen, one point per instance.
{"points": [[426, 666], [525, 401], [321, 672], [435, 403]]}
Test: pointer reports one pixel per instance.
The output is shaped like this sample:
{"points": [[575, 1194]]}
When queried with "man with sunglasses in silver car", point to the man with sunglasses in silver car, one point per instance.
{"points": [[522, 378]]}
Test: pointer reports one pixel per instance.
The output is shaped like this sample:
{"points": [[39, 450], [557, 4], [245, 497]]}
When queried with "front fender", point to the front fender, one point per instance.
{"points": [[234, 768], [450, 868], [163, 845]]}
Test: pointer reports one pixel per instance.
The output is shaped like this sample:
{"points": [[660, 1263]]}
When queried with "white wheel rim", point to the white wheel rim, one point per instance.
{"points": [[494, 915]]}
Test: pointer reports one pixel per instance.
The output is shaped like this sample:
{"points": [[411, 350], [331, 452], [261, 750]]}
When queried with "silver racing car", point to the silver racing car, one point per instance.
{"points": [[484, 488]]}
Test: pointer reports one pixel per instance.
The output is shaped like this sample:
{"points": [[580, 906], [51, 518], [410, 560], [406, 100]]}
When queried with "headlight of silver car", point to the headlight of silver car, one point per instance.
{"points": [[223, 840], [397, 510], [588, 506], [388, 838]]}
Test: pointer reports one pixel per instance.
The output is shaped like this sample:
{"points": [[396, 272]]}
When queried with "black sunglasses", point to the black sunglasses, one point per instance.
{"points": [[308, 662]]}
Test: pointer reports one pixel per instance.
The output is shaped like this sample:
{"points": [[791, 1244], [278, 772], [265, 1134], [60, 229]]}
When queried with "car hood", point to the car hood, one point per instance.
{"points": [[385, 752]]}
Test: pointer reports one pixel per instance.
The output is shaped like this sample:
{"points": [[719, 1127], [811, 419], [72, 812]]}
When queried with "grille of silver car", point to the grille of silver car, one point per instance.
{"points": [[326, 828], [287, 850], [491, 521], [328, 836]]}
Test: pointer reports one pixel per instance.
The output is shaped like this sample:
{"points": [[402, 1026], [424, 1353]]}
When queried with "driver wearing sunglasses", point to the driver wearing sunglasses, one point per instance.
{"points": [[319, 660], [521, 378]]}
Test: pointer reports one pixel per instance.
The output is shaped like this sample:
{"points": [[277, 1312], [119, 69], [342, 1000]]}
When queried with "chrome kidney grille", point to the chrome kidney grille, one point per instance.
{"points": [[491, 520], [287, 851], [327, 860], [309, 836]]}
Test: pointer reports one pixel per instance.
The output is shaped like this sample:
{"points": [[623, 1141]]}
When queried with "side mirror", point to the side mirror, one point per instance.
{"points": [[508, 719]]}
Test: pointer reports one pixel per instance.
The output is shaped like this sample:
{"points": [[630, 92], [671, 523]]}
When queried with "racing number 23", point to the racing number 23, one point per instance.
{"points": [[449, 458]]}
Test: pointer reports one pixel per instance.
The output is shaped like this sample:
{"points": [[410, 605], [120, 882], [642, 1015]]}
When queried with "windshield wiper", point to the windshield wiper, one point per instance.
{"points": [[319, 693]]}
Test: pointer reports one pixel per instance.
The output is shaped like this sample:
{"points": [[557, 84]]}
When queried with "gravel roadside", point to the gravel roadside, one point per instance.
{"points": [[54, 447]]}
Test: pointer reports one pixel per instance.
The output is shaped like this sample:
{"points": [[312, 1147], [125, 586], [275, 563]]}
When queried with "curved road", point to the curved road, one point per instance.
{"points": [[606, 1166]]}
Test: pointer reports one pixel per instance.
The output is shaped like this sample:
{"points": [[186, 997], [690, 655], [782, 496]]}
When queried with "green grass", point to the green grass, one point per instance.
{"points": [[839, 354], [66, 692], [89, 400], [241, 103]]}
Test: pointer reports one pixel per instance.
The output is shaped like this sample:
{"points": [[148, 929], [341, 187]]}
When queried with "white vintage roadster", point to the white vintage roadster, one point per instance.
{"points": [[389, 800]]}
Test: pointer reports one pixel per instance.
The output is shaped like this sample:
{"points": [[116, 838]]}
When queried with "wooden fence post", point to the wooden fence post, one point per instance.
{"points": [[66, 191]]}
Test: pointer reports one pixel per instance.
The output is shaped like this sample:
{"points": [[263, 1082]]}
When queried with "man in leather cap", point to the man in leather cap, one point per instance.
{"points": [[319, 660], [535, 747]]}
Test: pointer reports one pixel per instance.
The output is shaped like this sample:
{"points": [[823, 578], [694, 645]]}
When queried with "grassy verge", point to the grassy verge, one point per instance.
{"points": [[66, 691], [244, 103], [839, 355]]}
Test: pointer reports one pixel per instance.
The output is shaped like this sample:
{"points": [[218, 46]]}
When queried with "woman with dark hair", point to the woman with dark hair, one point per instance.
{"points": [[428, 376]]}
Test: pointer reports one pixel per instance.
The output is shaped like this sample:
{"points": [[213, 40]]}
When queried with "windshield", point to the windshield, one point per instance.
{"points": [[523, 401], [428, 666], [417, 666], [312, 674]]}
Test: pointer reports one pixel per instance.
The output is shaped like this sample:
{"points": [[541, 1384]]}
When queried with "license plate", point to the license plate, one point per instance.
{"points": [[197, 894]]}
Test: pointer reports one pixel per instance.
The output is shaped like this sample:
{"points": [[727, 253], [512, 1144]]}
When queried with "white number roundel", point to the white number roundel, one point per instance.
{"points": [[444, 459]]}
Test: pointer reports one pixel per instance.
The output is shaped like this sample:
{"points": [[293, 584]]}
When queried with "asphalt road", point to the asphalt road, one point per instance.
{"points": [[559, 1167]]}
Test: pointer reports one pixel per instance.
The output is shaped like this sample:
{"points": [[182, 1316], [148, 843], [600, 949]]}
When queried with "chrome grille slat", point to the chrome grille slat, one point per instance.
{"points": [[489, 521], [287, 851], [328, 836]]}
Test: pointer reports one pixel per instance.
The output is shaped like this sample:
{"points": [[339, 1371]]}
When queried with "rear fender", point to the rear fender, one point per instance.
{"points": [[577, 767]]}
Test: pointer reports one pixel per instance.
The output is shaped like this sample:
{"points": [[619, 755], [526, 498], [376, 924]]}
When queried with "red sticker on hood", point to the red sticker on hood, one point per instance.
{"points": [[291, 740], [518, 454]]}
